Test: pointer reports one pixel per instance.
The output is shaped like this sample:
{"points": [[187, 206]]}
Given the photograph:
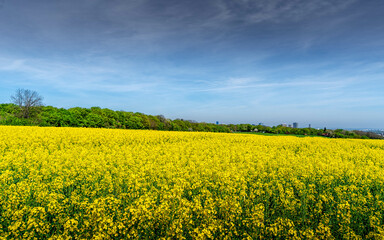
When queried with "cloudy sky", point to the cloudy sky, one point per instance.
{"points": [[232, 61]]}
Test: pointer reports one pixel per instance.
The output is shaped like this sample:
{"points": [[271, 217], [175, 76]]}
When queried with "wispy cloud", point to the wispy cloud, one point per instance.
{"points": [[66, 76], [248, 84], [147, 26], [254, 11]]}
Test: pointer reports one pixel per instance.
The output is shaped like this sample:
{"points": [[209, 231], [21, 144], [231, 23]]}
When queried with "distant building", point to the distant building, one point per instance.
{"points": [[295, 125], [290, 125], [217, 122], [261, 124], [309, 126], [284, 125]]}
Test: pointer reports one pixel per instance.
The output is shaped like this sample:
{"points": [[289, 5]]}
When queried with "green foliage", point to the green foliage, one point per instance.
{"points": [[96, 117]]}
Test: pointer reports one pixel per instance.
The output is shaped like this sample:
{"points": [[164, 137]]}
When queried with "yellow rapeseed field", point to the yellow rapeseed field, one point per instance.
{"points": [[72, 183]]}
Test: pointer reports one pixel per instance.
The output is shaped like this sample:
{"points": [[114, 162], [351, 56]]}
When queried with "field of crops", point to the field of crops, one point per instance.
{"points": [[63, 183]]}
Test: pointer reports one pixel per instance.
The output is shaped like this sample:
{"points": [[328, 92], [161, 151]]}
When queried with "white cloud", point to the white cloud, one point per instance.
{"points": [[64, 76]]}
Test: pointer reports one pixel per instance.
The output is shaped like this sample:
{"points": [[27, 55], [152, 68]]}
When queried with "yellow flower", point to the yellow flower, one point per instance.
{"points": [[73, 183]]}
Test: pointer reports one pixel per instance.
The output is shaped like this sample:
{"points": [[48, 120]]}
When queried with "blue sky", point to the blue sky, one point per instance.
{"points": [[240, 61]]}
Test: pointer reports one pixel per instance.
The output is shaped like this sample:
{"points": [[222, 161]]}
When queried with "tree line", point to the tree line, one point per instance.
{"points": [[27, 110], [96, 117]]}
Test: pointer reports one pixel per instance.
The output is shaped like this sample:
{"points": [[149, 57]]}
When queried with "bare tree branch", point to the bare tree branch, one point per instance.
{"points": [[27, 100]]}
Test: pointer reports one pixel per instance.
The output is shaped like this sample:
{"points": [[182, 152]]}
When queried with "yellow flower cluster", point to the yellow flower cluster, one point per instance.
{"points": [[72, 183]]}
